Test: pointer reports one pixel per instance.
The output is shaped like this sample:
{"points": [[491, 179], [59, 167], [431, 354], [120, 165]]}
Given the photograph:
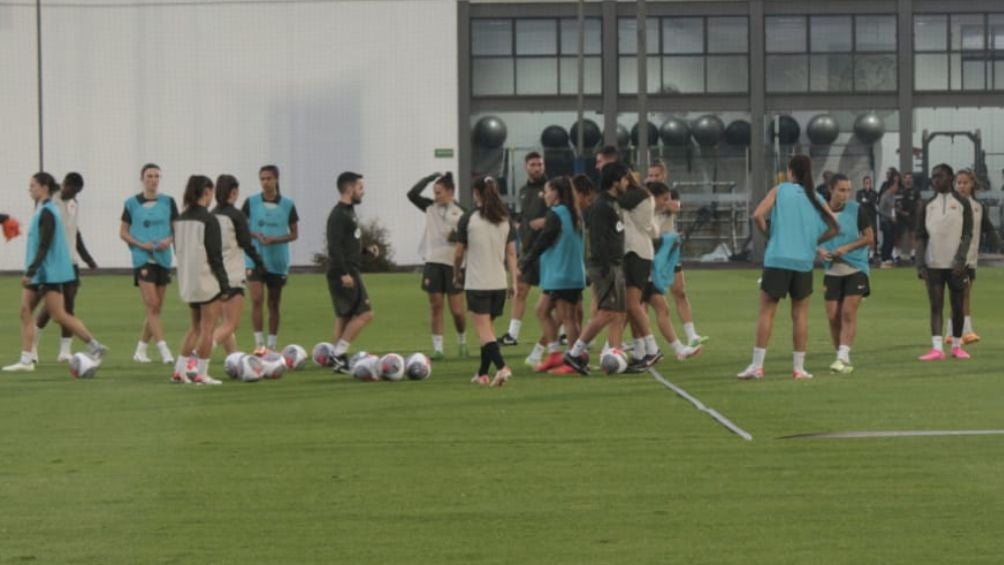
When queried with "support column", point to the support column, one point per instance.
{"points": [[464, 150], [610, 72], [759, 184], [904, 73]]}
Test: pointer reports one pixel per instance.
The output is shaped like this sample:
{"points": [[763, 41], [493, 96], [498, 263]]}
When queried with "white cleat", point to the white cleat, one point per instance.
{"points": [[206, 380], [34, 356], [141, 358], [20, 367], [64, 357], [751, 372], [166, 360], [501, 377], [688, 352]]}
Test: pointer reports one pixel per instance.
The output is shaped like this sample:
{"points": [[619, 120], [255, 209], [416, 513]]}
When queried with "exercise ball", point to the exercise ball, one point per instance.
{"points": [[675, 132], [708, 130], [591, 136], [822, 129], [490, 132], [790, 130], [554, 137], [869, 128], [623, 137], [738, 133], [653, 135]]}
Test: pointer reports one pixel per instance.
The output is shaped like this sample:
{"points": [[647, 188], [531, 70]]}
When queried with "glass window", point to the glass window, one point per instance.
{"points": [[492, 76], [728, 73], [629, 75], [930, 71], [786, 34], [593, 83], [536, 37], [787, 73], [876, 73], [998, 75], [875, 33], [831, 73], [627, 35], [682, 35], [830, 34], [997, 32], [682, 75], [968, 72], [728, 35], [968, 32], [570, 36], [491, 37], [536, 75], [930, 33]]}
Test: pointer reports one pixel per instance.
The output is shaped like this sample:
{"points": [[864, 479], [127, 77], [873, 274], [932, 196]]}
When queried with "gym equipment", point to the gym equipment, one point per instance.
{"points": [[653, 135], [869, 128], [708, 130], [554, 137], [823, 129], [591, 135], [788, 130], [490, 132], [738, 133]]}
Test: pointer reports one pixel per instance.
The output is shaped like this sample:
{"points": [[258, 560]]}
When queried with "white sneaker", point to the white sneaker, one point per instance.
{"points": [[206, 380], [180, 379], [19, 367], [63, 357], [751, 372], [531, 362], [34, 356], [501, 377], [98, 352], [141, 358], [688, 352], [169, 360]]}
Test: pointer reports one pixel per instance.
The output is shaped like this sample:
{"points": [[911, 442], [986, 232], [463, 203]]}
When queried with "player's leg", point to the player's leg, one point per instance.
{"points": [[30, 297], [274, 316], [935, 283], [257, 290]]}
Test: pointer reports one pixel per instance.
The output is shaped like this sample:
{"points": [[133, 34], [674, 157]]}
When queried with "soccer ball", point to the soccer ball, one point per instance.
{"points": [[323, 354], [356, 358], [418, 367], [232, 364], [295, 357], [252, 369], [392, 367], [614, 362], [274, 366], [367, 368], [83, 366]]}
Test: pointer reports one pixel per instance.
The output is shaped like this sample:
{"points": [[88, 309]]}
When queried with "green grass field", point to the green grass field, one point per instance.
{"points": [[317, 468]]}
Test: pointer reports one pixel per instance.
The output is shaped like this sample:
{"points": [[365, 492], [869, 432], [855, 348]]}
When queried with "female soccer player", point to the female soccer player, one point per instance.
{"points": [[846, 260], [442, 214], [236, 239], [202, 280], [799, 221], [560, 250], [274, 223], [147, 226], [48, 266], [487, 240], [944, 232]]}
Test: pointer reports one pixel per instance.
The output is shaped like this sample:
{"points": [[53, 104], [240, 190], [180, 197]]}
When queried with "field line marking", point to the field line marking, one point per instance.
{"points": [[901, 433], [700, 406]]}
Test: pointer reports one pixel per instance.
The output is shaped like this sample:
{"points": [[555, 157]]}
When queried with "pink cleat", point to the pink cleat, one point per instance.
{"points": [[959, 353], [933, 355]]}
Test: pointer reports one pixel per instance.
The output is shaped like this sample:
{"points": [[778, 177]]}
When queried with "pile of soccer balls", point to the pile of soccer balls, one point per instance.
{"points": [[251, 368], [369, 367]]}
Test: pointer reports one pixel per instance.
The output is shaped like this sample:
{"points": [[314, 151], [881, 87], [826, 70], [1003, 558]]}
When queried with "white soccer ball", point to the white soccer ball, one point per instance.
{"points": [[232, 364], [252, 369], [392, 367], [356, 358], [274, 365], [614, 362], [83, 366], [367, 368], [418, 367], [323, 354], [295, 357]]}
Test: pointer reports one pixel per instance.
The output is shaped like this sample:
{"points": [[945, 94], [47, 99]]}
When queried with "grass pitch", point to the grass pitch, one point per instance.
{"points": [[317, 468]]}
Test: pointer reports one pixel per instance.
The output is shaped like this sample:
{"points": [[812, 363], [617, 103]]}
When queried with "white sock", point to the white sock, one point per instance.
{"points": [[678, 346], [514, 326], [141, 348], [554, 347], [64, 345], [180, 364], [759, 354], [341, 347], [437, 343], [844, 354], [798, 360], [967, 326], [203, 365], [26, 357], [578, 348], [36, 339], [691, 332], [638, 351], [651, 347], [561, 330], [537, 353], [259, 339], [462, 339], [165, 351], [937, 342], [273, 341]]}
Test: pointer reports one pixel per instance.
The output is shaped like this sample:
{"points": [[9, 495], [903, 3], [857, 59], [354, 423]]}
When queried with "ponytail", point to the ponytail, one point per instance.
{"points": [[563, 187], [492, 207], [801, 168], [197, 185]]}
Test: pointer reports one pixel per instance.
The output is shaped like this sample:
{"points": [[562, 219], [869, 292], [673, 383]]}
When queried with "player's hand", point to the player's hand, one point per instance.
{"points": [[374, 250], [225, 294], [959, 269], [823, 254], [838, 252], [25, 282], [162, 245], [510, 292], [92, 265], [348, 281], [148, 246], [922, 273]]}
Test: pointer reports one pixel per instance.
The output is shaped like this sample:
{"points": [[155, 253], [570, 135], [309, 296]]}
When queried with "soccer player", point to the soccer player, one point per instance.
{"points": [[532, 210], [66, 201], [907, 201], [868, 198], [638, 214], [442, 214], [147, 226], [799, 221], [604, 260], [944, 232], [273, 222], [845, 258], [486, 240], [351, 303], [237, 242], [966, 185], [560, 251], [48, 266], [202, 280]]}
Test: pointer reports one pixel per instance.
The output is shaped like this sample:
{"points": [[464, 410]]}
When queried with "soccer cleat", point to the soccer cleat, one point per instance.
{"points": [[959, 353], [98, 352], [508, 340], [462, 351], [698, 340], [20, 367], [801, 375], [970, 337], [638, 365], [842, 368], [564, 369], [206, 380], [501, 377], [751, 372], [933, 355], [436, 355], [34, 356], [180, 379], [580, 363], [260, 351], [168, 360], [340, 364], [532, 361], [141, 358], [688, 352], [482, 380], [63, 357], [653, 359], [553, 360]]}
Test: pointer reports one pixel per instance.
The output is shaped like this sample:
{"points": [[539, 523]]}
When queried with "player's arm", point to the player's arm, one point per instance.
{"points": [[82, 251], [336, 241], [415, 194], [510, 257], [461, 249], [169, 240], [959, 262], [244, 241], [763, 209], [46, 231], [549, 235], [832, 226], [921, 235], [212, 240]]}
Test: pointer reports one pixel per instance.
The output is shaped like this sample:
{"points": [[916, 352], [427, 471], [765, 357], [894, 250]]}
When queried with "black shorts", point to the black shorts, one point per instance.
{"points": [[837, 288], [76, 277], [151, 273], [649, 292], [234, 291], [947, 277], [437, 278], [271, 280], [43, 288], [570, 295], [608, 288], [531, 275], [678, 268], [491, 302], [779, 283], [349, 302], [197, 305], [637, 271]]}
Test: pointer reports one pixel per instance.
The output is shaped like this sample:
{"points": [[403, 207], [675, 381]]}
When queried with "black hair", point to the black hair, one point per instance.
{"points": [[944, 166], [583, 184], [447, 181], [801, 168], [45, 179], [835, 178], [611, 174], [275, 172], [532, 155], [492, 207], [657, 188], [674, 194], [563, 186], [347, 179], [74, 180], [147, 167], [225, 184], [610, 151], [658, 163], [197, 184]]}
